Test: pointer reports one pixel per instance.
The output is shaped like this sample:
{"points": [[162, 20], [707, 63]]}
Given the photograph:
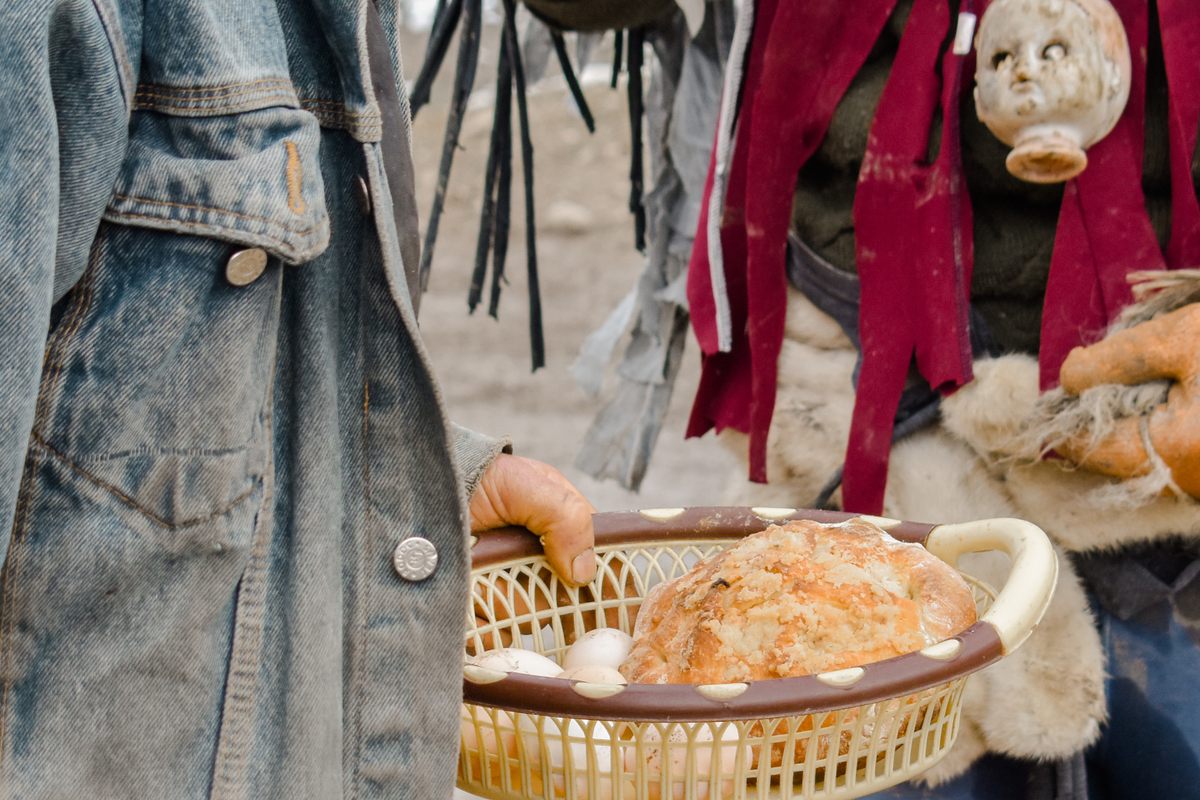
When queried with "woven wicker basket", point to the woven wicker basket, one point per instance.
{"points": [[837, 735]]}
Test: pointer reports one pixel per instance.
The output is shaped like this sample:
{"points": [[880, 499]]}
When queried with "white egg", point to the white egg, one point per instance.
{"points": [[514, 659], [677, 756], [485, 743], [593, 673], [603, 647], [574, 739], [485, 739], [577, 738]]}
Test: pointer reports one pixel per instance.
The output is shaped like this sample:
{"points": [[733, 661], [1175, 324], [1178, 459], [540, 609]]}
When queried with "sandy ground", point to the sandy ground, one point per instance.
{"points": [[587, 262]]}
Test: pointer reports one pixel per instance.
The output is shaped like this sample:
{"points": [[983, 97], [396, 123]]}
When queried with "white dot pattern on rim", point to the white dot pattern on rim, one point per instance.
{"points": [[943, 651], [842, 678], [772, 513], [660, 514]]}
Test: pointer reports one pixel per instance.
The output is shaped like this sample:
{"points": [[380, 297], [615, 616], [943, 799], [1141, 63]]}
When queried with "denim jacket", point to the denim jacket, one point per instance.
{"points": [[205, 482]]}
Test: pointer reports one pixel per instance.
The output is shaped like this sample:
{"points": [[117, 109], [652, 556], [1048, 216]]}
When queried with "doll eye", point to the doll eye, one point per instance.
{"points": [[1001, 58], [1054, 51]]}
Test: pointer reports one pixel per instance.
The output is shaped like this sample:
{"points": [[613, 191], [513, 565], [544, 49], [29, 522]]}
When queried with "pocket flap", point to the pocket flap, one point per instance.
{"points": [[251, 178]]}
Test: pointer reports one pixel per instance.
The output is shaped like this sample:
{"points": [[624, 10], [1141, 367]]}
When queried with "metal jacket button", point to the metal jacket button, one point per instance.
{"points": [[415, 559], [244, 266]]}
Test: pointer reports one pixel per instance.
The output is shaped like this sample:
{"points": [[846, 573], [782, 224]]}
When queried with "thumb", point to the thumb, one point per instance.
{"points": [[521, 491], [1162, 347]]}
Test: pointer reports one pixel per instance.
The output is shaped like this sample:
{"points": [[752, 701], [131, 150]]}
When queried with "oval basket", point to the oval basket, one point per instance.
{"points": [[837, 735]]}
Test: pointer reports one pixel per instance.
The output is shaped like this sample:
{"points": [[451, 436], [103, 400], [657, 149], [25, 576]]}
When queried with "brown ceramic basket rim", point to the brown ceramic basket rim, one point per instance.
{"points": [[905, 675]]}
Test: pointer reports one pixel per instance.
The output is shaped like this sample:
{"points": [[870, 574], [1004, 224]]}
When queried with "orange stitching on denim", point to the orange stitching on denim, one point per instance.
{"points": [[271, 241], [330, 119], [335, 120], [334, 107], [295, 178], [360, 667], [263, 90], [341, 120], [151, 101], [51, 370], [129, 501], [280, 244], [197, 207], [268, 101], [248, 620], [54, 359], [9, 578], [197, 102], [166, 87], [164, 452]]}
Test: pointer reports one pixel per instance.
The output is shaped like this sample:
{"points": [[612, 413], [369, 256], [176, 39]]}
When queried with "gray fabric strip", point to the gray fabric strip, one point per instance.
{"points": [[726, 123], [396, 151]]}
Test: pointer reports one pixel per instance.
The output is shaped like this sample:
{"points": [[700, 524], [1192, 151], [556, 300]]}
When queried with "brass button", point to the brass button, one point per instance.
{"points": [[364, 196], [245, 266], [415, 559]]}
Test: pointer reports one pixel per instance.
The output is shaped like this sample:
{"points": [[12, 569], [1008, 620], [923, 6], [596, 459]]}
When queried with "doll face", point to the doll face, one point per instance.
{"points": [[1039, 61]]}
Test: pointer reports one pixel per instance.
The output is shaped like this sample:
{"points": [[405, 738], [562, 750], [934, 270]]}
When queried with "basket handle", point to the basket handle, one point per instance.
{"points": [[1019, 606]]}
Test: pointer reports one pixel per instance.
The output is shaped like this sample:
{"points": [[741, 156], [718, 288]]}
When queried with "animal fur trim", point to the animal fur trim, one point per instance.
{"points": [[1046, 701], [1057, 417]]}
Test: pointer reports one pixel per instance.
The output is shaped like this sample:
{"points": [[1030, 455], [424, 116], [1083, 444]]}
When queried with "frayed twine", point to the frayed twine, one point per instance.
{"points": [[1059, 418]]}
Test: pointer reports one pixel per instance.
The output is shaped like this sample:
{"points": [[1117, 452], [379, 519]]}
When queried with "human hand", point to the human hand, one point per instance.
{"points": [[536, 496], [1164, 347], [519, 491]]}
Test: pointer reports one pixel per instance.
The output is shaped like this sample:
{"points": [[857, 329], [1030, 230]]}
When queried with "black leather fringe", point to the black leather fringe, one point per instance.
{"points": [[464, 81], [564, 61], [636, 109]]}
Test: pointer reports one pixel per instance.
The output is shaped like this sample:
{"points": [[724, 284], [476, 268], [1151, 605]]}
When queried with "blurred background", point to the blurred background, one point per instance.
{"points": [[587, 263]]}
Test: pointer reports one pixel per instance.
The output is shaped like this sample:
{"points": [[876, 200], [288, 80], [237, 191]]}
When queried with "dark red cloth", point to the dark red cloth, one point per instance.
{"points": [[803, 56], [724, 396], [912, 228], [1179, 21], [912, 219], [1104, 232]]}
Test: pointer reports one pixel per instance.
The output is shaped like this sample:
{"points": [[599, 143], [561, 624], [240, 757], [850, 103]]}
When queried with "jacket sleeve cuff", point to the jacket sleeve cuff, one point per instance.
{"points": [[474, 453]]}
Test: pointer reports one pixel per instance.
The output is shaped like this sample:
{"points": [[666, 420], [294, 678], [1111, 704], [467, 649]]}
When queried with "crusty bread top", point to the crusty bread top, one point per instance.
{"points": [[797, 599]]}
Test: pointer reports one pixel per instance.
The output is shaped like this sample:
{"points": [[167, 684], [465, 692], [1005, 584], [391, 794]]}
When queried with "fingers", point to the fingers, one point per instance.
{"points": [[515, 609], [521, 491], [1173, 431], [1164, 347], [1120, 454]]}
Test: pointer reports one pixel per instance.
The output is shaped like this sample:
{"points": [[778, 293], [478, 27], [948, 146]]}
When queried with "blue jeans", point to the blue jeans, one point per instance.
{"points": [[1150, 748]]}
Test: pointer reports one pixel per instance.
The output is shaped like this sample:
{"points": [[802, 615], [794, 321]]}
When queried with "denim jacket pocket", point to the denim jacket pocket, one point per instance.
{"points": [[250, 178], [159, 371]]}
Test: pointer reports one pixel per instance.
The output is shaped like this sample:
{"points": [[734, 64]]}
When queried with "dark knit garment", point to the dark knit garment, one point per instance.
{"points": [[1014, 221]]}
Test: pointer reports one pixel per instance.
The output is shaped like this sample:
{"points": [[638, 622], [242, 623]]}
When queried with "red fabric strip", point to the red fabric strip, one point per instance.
{"points": [[724, 394], [699, 290], [802, 59], [828, 46], [912, 219], [912, 228], [1179, 21], [1104, 231]]}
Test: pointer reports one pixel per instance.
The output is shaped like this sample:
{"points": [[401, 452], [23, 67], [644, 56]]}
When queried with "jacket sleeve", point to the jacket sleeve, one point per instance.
{"points": [[474, 453], [62, 127]]}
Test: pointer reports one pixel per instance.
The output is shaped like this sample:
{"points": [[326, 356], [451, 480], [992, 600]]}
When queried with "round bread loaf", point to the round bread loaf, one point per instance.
{"points": [[797, 599]]}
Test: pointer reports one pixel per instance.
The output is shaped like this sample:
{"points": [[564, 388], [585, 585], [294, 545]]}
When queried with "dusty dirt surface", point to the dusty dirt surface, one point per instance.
{"points": [[587, 262]]}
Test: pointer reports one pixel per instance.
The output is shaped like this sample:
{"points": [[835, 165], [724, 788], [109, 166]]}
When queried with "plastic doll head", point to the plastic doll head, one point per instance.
{"points": [[1051, 79]]}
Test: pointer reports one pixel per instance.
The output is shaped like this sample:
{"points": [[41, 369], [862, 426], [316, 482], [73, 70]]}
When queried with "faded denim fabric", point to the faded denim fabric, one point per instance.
{"points": [[205, 483], [1147, 750]]}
